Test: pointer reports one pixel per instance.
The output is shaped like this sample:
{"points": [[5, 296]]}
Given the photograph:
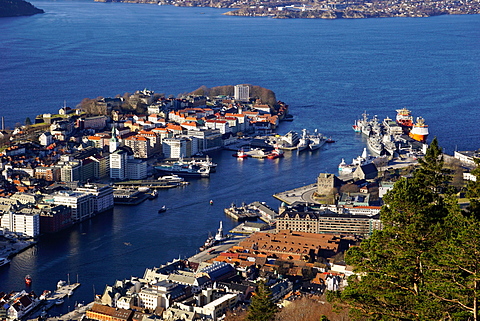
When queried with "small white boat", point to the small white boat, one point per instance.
{"points": [[171, 178], [70, 293], [61, 283]]}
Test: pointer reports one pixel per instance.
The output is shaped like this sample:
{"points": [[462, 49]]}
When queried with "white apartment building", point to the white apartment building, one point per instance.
{"points": [[25, 222], [118, 164], [160, 294], [176, 147], [102, 196], [82, 204], [241, 92]]}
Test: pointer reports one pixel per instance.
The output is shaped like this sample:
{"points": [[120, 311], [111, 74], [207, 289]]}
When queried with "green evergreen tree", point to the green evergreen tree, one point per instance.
{"points": [[454, 273], [390, 266], [432, 173], [28, 121], [262, 307]]}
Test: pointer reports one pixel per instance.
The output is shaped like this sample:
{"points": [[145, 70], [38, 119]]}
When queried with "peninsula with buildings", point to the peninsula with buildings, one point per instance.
{"points": [[328, 9], [67, 167]]}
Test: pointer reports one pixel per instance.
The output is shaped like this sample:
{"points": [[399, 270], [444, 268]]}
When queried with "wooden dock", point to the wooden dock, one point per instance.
{"points": [[56, 298]]}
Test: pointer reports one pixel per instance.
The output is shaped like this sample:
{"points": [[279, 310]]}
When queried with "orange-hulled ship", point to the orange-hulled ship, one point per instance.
{"points": [[404, 118], [419, 131]]}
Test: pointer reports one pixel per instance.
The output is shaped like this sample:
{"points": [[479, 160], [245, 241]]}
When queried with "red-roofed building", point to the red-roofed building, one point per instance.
{"points": [[140, 146], [221, 125]]}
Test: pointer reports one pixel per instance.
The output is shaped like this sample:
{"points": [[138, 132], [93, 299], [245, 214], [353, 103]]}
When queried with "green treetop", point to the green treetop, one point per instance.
{"points": [[262, 307], [391, 266]]}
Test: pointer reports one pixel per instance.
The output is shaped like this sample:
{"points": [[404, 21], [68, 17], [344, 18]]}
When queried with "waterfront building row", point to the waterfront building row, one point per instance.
{"points": [[32, 215]]}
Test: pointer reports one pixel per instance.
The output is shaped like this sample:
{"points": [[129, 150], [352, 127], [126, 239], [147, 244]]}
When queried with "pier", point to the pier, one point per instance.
{"points": [[56, 298], [242, 213]]}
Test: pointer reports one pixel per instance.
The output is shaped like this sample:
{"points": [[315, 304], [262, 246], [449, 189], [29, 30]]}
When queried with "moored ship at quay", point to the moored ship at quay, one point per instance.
{"points": [[392, 137], [291, 141], [186, 169]]}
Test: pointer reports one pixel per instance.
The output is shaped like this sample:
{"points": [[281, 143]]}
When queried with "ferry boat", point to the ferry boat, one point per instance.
{"points": [[419, 131], [171, 179], [184, 169]]}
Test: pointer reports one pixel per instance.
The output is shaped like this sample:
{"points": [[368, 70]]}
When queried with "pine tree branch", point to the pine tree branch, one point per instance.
{"points": [[452, 301]]}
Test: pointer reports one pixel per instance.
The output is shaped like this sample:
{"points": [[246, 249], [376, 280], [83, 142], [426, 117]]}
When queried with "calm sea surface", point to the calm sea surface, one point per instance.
{"points": [[329, 72]]}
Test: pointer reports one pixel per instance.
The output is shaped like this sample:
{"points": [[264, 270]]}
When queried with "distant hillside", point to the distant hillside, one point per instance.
{"points": [[266, 96], [15, 8]]}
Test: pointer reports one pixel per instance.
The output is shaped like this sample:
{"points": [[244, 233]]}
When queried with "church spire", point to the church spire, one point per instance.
{"points": [[114, 142]]}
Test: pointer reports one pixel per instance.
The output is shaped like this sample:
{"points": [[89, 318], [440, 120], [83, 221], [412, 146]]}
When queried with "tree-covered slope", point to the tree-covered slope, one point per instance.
{"points": [[15, 8]]}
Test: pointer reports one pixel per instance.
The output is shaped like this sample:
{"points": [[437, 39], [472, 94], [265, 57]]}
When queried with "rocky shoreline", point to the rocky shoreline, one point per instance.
{"points": [[17, 8]]}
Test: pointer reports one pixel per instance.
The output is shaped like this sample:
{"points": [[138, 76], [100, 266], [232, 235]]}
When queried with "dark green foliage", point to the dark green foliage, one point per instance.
{"points": [[28, 121], [395, 263], [262, 308], [14, 8], [432, 173]]}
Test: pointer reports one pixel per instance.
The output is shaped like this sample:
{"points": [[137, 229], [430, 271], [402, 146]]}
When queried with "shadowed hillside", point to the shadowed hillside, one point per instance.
{"points": [[16, 8]]}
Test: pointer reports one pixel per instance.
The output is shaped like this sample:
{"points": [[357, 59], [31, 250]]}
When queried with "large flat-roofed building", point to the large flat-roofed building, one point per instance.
{"points": [[360, 221], [293, 245], [82, 204], [102, 193], [467, 156], [25, 221]]}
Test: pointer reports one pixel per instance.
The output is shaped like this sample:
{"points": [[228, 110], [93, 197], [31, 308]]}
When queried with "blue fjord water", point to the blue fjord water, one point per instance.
{"points": [[329, 72]]}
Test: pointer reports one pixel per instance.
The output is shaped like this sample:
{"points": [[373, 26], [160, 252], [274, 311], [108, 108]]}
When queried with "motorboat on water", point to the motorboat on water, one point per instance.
{"points": [[276, 153], [153, 195], [28, 279], [61, 283], [162, 209], [240, 154], [171, 179]]}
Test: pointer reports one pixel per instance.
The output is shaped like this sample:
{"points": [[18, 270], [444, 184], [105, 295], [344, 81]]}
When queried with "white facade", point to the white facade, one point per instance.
{"points": [[25, 223], [45, 139], [136, 169], [241, 92], [82, 204], [118, 165], [102, 196], [467, 156], [175, 148]]}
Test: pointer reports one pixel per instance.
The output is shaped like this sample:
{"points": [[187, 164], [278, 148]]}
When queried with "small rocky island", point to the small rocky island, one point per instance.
{"points": [[16, 8]]}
